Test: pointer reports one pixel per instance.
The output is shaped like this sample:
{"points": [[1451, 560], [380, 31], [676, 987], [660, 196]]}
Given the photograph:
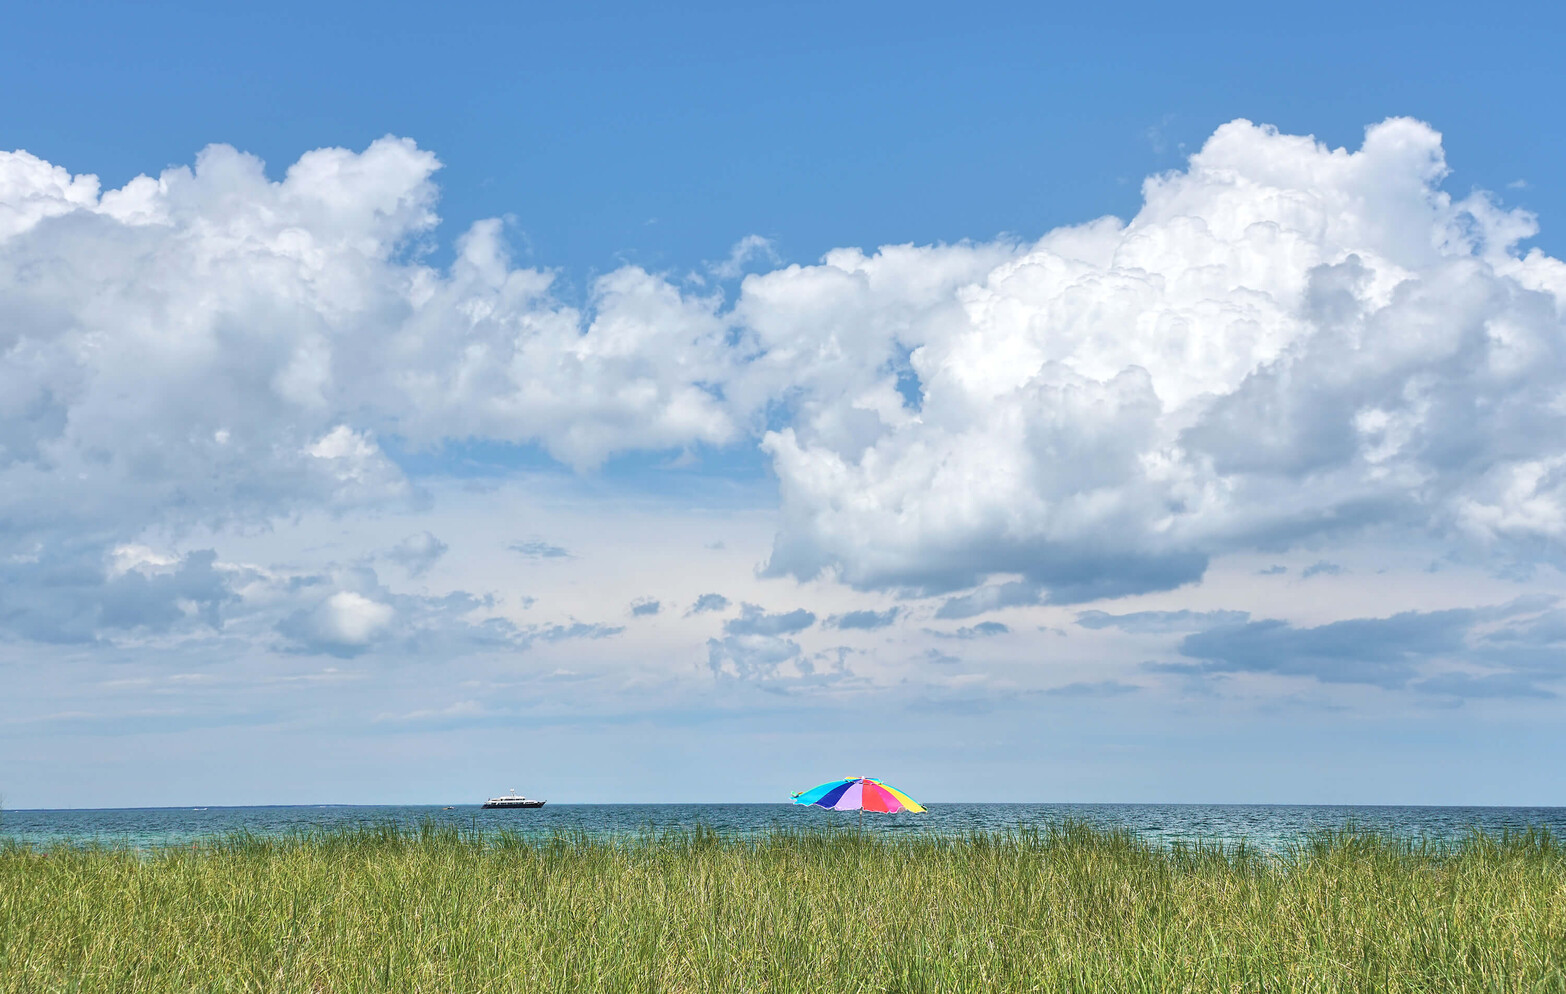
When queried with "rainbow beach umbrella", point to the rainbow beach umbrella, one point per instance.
{"points": [[858, 794]]}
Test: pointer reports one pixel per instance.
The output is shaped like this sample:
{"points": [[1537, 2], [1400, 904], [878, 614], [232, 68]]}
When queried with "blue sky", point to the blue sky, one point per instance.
{"points": [[420, 403], [661, 136]]}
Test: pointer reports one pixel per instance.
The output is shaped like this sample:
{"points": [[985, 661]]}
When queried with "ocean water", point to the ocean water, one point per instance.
{"points": [[1270, 826]]}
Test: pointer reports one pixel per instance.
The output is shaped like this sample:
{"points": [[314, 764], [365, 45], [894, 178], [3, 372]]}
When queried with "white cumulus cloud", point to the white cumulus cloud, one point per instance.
{"points": [[1286, 342]]}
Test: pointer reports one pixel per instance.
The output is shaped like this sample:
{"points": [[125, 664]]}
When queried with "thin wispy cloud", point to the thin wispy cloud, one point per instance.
{"points": [[1143, 622], [984, 629], [745, 252], [537, 548], [1098, 688]]}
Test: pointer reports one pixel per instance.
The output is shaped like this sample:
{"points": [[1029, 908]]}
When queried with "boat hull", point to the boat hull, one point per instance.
{"points": [[514, 804]]}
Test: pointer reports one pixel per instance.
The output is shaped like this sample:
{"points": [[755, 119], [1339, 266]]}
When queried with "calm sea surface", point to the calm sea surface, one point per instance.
{"points": [[1266, 825]]}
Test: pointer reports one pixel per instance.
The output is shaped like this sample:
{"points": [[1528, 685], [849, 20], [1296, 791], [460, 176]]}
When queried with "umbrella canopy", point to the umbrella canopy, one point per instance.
{"points": [[858, 794]]}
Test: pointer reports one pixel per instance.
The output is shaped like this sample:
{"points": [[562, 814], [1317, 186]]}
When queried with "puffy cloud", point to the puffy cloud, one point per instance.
{"points": [[1286, 343], [1322, 568], [210, 346], [168, 345], [344, 623], [754, 621], [778, 664], [69, 594], [280, 308], [346, 612], [488, 354], [750, 656], [992, 597], [708, 602], [417, 553], [32, 189], [863, 619], [754, 646]]}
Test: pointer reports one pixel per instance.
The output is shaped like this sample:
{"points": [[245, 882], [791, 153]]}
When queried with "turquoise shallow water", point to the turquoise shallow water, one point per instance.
{"points": [[1267, 825]]}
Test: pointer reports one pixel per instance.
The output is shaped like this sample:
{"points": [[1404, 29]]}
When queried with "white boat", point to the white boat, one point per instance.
{"points": [[512, 800]]}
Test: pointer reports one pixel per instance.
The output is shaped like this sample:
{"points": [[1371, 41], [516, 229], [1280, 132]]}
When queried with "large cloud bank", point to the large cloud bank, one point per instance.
{"points": [[1286, 342]]}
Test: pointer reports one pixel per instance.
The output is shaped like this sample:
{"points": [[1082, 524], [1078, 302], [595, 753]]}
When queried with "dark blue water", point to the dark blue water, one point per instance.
{"points": [[1267, 825]]}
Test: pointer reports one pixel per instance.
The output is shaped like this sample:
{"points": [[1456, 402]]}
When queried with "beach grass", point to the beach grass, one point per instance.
{"points": [[1068, 908]]}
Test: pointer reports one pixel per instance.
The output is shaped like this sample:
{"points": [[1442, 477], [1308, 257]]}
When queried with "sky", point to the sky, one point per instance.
{"points": [[619, 403]]}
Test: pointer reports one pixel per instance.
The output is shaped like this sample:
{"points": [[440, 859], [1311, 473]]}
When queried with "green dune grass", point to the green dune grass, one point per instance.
{"points": [[1067, 909]]}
